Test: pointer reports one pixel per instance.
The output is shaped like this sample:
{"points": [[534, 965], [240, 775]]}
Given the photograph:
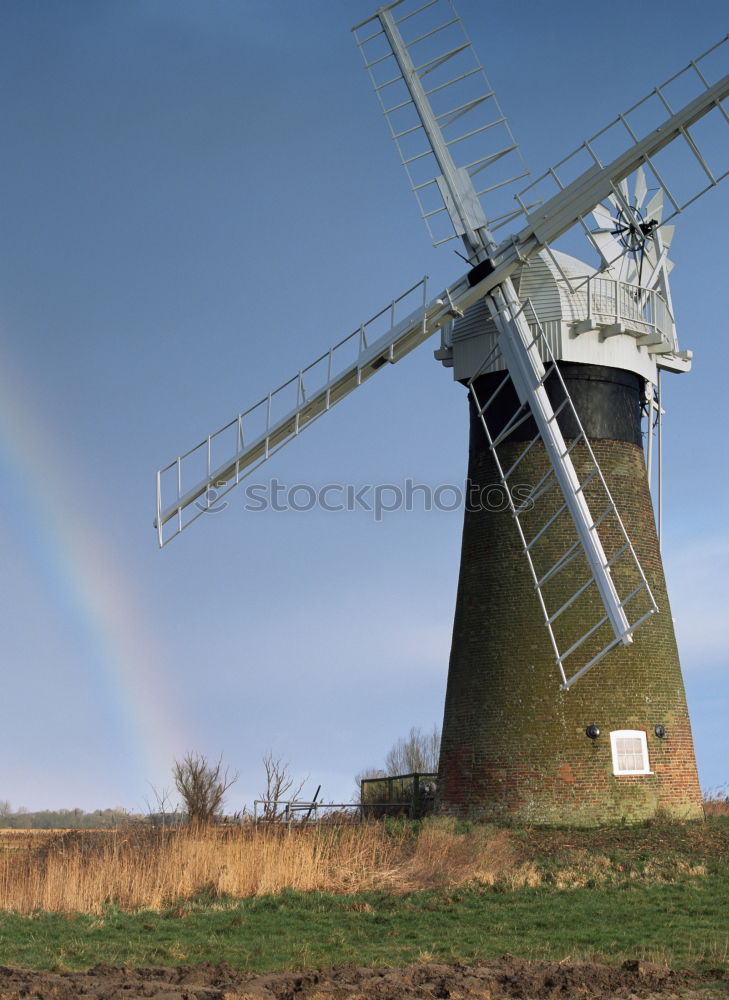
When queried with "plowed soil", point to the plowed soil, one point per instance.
{"points": [[506, 978]]}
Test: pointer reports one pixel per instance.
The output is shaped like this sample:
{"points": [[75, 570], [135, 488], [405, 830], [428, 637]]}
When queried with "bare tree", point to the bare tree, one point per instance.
{"points": [[279, 787], [202, 786], [416, 753], [159, 812]]}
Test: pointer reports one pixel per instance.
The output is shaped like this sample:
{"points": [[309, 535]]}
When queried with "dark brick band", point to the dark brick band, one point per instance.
{"points": [[607, 400]]}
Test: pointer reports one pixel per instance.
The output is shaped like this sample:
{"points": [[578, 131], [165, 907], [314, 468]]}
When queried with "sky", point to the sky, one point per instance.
{"points": [[198, 199]]}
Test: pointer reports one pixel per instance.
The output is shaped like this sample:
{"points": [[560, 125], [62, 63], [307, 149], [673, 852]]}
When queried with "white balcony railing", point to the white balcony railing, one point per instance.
{"points": [[642, 312]]}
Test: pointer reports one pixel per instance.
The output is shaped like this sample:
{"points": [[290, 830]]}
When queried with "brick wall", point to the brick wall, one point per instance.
{"points": [[513, 742]]}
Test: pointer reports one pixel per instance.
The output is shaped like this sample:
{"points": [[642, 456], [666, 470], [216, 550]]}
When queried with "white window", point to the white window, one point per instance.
{"points": [[630, 752]]}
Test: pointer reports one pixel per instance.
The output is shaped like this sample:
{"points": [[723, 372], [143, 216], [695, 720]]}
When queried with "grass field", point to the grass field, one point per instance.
{"points": [[682, 925], [380, 894]]}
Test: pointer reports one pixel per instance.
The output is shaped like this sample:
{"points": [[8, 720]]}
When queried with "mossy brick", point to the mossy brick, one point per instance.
{"points": [[514, 743]]}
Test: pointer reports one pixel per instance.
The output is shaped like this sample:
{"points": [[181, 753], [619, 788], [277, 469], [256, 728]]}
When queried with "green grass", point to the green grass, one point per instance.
{"points": [[684, 924], [658, 892]]}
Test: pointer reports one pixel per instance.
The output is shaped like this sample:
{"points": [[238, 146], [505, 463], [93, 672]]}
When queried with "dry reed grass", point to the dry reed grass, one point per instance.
{"points": [[84, 871], [9, 837], [443, 858], [716, 801]]}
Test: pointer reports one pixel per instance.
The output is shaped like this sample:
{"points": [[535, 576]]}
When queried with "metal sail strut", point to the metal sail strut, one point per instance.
{"points": [[580, 635], [527, 373]]}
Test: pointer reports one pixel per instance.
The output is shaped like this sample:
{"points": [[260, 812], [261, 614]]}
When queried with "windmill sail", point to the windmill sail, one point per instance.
{"points": [[637, 140], [436, 97], [197, 480]]}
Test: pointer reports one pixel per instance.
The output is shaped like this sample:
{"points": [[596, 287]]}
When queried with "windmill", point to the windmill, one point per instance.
{"points": [[565, 701]]}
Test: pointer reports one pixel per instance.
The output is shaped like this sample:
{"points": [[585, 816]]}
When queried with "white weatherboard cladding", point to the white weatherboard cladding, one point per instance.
{"points": [[536, 282], [559, 310]]}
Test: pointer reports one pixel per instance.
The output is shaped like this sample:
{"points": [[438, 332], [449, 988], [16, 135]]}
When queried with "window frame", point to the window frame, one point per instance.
{"points": [[640, 734]]}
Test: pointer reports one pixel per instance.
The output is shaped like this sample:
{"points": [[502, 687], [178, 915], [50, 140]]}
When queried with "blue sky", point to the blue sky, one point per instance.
{"points": [[199, 198]]}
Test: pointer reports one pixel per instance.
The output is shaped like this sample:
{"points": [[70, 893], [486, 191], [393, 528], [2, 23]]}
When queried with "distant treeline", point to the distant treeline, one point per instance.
{"points": [[77, 819]]}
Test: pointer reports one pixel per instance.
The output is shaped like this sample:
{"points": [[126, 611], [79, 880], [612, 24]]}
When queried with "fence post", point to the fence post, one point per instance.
{"points": [[416, 796], [589, 300]]}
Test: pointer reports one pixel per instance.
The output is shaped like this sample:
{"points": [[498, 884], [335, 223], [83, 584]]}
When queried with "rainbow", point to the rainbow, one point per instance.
{"points": [[87, 579]]}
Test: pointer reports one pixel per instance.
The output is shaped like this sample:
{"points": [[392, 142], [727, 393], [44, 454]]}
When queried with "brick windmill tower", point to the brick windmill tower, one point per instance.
{"points": [[613, 743], [565, 702]]}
